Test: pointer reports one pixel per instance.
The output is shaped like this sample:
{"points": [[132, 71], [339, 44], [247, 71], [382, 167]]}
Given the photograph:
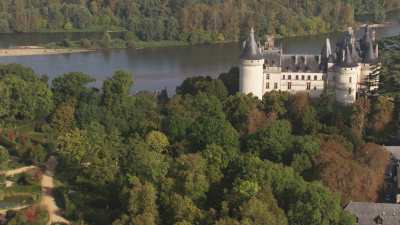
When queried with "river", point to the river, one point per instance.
{"points": [[153, 68]]}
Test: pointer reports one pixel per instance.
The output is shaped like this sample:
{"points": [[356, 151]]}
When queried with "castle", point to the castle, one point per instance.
{"points": [[344, 72]]}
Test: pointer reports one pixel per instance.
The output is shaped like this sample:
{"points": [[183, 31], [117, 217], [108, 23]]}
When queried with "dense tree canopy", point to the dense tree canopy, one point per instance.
{"points": [[193, 21]]}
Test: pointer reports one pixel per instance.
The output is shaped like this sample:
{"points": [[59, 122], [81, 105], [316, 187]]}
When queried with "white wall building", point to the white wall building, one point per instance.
{"points": [[345, 71]]}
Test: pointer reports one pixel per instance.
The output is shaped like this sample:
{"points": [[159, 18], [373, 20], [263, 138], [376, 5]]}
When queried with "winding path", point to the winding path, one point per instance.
{"points": [[47, 183], [48, 201]]}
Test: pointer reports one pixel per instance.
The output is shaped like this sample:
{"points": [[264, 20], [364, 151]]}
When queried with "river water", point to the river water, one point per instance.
{"points": [[153, 68]]}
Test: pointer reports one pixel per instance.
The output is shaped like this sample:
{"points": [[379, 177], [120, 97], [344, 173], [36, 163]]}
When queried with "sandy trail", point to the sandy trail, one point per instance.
{"points": [[4, 211], [38, 51], [47, 183], [10, 173], [48, 201]]}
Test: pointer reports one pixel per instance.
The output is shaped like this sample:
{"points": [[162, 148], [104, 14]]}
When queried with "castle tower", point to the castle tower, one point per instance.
{"points": [[347, 76], [251, 68], [369, 56]]}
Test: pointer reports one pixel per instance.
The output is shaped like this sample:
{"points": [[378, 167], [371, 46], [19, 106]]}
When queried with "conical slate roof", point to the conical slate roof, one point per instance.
{"points": [[370, 54], [251, 50], [369, 51], [348, 60], [326, 53]]}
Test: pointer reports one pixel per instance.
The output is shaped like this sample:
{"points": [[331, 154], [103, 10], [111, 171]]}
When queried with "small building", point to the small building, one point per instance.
{"points": [[367, 213]]}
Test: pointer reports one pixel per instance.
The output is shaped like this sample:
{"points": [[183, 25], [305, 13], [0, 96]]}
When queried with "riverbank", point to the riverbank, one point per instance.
{"points": [[37, 50]]}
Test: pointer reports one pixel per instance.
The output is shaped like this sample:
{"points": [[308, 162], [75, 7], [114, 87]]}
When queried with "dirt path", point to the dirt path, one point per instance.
{"points": [[10, 173], [39, 51], [4, 211], [47, 183], [48, 200]]}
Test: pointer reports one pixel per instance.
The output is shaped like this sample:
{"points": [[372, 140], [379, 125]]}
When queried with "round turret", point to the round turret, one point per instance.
{"points": [[251, 68], [346, 84]]}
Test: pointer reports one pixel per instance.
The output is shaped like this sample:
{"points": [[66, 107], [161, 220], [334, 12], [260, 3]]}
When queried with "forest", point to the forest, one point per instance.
{"points": [[205, 155], [193, 21]]}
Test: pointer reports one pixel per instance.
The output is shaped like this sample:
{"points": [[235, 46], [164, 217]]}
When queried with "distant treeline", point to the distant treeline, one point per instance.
{"points": [[196, 21]]}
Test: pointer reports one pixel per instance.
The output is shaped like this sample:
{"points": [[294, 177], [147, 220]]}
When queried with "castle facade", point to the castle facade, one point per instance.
{"points": [[344, 71]]}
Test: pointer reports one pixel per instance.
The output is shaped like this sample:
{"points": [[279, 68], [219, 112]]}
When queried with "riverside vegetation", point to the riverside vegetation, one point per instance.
{"points": [[179, 22], [207, 155]]}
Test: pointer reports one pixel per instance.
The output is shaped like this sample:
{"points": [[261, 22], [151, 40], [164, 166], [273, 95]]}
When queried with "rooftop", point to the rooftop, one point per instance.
{"points": [[394, 150], [375, 213], [251, 50]]}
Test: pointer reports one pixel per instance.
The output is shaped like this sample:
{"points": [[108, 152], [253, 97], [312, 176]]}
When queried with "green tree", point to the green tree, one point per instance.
{"points": [[31, 99], [207, 85], [157, 141], [63, 119], [4, 159], [116, 88], [191, 178], [70, 86], [273, 142]]}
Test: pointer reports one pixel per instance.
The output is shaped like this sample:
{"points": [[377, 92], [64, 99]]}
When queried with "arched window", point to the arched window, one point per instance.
{"points": [[315, 77]]}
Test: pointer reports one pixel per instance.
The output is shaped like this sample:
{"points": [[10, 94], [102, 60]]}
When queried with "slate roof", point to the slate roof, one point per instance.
{"points": [[373, 213], [251, 50], [303, 63], [368, 47], [272, 57]]}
